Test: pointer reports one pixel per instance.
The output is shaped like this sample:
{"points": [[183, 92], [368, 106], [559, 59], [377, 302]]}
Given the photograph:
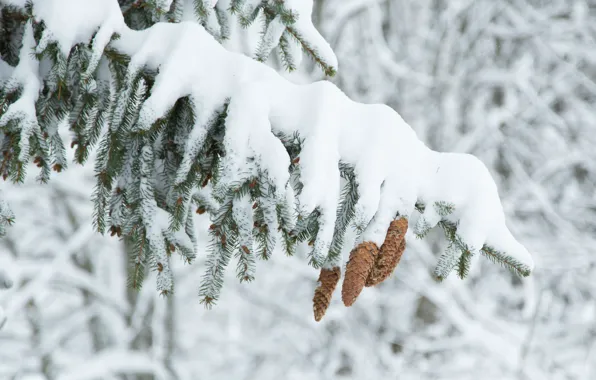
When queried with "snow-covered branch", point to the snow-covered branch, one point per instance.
{"points": [[174, 111]]}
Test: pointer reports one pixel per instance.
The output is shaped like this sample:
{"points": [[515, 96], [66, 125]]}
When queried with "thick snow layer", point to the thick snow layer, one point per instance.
{"points": [[271, 37], [394, 168], [308, 32], [70, 22]]}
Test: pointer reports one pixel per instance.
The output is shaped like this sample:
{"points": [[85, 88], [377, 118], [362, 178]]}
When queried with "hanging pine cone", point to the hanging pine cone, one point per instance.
{"points": [[328, 280], [361, 262], [390, 253]]}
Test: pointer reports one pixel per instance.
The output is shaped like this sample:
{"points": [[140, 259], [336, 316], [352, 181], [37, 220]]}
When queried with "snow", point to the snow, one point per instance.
{"points": [[164, 5], [70, 22], [154, 220], [161, 222], [374, 139], [336, 128], [25, 75], [380, 145], [307, 30], [268, 205], [242, 213], [271, 37], [490, 326], [67, 28], [295, 54]]}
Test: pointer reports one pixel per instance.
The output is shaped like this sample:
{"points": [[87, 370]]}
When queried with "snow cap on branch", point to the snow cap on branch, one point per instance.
{"points": [[77, 21], [185, 113]]}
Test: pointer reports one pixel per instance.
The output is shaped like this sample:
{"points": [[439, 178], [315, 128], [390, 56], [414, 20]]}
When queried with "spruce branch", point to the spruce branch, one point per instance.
{"points": [[463, 266], [289, 18], [243, 217], [285, 53], [506, 261], [345, 213], [266, 226], [312, 52], [249, 13], [458, 255], [447, 262], [444, 208], [236, 6], [176, 11], [224, 22], [137, 243], [219, 252], [158, 156]]}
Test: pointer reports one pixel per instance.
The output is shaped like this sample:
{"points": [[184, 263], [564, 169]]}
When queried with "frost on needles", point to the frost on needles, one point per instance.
{"points": [[181, 125]]}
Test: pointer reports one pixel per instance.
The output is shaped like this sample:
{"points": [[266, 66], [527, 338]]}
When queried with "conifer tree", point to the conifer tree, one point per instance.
{"points": [[183, 126]]}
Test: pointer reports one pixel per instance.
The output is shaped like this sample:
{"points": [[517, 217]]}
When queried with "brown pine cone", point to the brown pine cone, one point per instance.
{"points": [[362, 260], [328, 280], [390, 253]]}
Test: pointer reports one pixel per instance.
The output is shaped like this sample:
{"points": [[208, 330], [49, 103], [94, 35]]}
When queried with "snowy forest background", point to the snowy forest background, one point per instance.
{"points": [[513, 82]]}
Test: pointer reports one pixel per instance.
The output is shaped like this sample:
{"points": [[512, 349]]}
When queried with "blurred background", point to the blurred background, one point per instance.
{"points": [[511, 81]]}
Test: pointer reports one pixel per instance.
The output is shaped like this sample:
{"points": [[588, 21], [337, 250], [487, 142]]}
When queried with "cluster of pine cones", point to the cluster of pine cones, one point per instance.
{"points": [[368, 266]]}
